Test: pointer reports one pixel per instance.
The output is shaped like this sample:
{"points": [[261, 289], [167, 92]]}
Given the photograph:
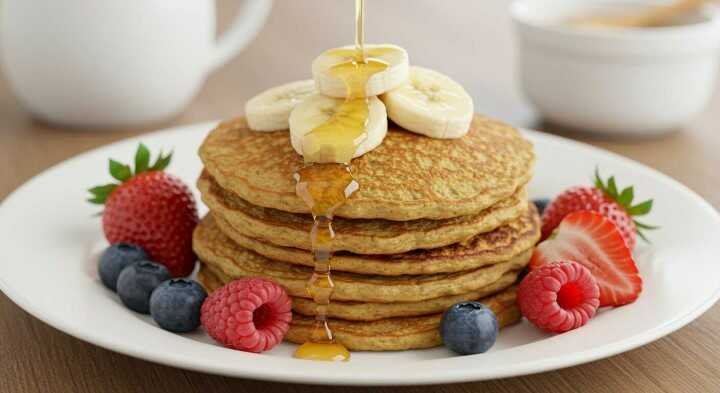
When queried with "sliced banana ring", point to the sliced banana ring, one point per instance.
{"points": [[395, 75], [430, 104], [270, 110], [349, 139]]}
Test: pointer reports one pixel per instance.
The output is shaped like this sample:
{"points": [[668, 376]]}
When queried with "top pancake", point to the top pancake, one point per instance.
{"points": [[407, 177]]}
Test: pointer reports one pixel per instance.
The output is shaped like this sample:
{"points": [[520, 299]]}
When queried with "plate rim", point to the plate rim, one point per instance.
{"points": [[448, 376]]}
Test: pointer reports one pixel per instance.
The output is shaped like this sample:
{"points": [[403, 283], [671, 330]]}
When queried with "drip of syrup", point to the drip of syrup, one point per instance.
{"points": [[323, 187], [326, 182]]}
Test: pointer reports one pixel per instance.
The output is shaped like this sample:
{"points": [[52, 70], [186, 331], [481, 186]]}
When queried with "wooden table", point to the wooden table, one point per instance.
{"points": [[470, 40]]}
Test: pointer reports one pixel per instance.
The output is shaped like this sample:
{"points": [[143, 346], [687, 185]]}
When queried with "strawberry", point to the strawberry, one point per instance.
{"points": [[593, 241], [151, 209], [605, 199]]}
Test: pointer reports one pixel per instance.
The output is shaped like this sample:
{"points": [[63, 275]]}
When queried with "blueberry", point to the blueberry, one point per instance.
{"points": [[116, 258], [468, 328], [541, 204], [136, 283], [175, 305]]}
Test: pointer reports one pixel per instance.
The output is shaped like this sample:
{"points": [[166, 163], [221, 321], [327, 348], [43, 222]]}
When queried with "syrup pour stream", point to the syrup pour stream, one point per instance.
{"points": [[326, 182]]}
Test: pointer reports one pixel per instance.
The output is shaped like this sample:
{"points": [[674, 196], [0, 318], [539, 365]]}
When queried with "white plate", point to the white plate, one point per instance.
{"points": [[51, 240]]}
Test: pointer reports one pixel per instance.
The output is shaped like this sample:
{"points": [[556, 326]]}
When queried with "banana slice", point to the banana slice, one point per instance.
{"points": [[396, 73], [430, 104], [270, 110], [326, 129]]}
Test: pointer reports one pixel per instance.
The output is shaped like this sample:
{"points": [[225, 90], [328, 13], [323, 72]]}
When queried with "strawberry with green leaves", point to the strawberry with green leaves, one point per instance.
{"points": [[604, 198], [150, 208]]}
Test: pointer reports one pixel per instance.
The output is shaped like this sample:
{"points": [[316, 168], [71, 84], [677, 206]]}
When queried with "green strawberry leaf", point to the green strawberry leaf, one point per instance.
{"points": [[612, 188], [641, 209], [101, 193], [142, 159], [123, 173], [626, 197], [642, 236], [640, 228], [162, 162], [598, 180], [646, 226], [120, 171], [103, 190]]}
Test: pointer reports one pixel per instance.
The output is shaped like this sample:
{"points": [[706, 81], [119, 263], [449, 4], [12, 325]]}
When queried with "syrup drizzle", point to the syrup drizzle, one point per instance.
{"points": [[323, 187], [326, 182]]}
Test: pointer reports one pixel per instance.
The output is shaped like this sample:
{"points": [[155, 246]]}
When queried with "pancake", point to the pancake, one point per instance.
{"points": [[392, 334], [407, 177], [399, 334], [481, 250], [374, 236], [217, 250], [359, 311]]}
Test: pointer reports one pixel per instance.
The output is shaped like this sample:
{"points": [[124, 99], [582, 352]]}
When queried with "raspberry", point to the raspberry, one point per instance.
{"points": [[559, 296], [250, 314]]}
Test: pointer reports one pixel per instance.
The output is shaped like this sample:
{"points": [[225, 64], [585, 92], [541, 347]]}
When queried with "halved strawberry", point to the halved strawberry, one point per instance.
{"points": [[595, 242]]}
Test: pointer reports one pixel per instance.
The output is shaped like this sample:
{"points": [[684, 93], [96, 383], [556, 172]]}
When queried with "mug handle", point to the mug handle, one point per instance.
{"points": [[249, 19]]}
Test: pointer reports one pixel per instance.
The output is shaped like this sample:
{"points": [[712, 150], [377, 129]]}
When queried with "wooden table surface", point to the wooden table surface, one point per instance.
{"points": [[470, 40]]}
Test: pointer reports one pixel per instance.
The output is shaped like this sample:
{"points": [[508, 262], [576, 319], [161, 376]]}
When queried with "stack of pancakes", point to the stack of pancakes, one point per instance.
{"points": [[435, 222]]}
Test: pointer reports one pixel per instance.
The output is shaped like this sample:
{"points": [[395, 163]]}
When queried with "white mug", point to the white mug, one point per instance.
{"points": [[110, 63]]}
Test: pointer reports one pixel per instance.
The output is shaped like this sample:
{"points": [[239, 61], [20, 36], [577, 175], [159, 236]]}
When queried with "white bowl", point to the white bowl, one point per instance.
{"points": [[638, 81]]}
